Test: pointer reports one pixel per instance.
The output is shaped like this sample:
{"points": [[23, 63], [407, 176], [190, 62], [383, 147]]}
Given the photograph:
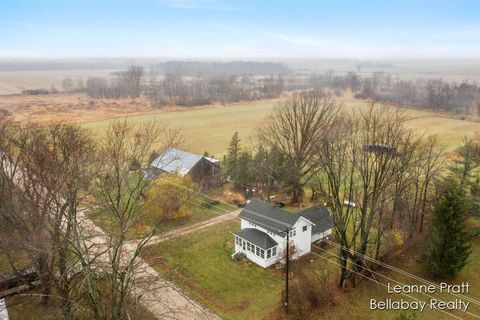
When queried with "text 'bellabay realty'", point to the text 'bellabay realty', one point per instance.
{"points": [[413, 302]]}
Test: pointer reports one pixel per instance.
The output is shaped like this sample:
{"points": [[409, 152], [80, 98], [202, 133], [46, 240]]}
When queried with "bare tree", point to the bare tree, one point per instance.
{"points": [[360, 162], [132, 79], [67, 84], [121, 185], [297, 130]]}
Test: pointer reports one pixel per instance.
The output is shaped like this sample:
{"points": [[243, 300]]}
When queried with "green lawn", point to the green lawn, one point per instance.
{"points": [[201, 264], [203, 209]]}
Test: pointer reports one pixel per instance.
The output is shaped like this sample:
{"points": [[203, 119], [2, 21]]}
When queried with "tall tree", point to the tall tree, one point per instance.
{"points": [[232, 159], [360, 162], [468, 160], [245, 173], [297, 129], [449, 246], [132, 79]]}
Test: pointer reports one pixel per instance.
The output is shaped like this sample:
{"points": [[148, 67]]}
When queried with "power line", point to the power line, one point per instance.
{"points": [[403, 272], [382, 284], [388, 278]]}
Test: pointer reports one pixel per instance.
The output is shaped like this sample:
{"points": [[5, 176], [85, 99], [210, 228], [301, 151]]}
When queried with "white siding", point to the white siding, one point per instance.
{"points": [[300, 238], [321, 235]]}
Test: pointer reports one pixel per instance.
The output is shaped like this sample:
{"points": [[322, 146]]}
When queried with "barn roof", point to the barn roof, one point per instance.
{"points": [[178, 161]]}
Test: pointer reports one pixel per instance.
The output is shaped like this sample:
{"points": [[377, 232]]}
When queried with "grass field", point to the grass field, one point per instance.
{"points": [[201, 264], [12, 82], [211, 128]]}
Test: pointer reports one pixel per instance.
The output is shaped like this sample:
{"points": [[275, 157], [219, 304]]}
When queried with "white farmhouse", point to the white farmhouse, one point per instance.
{"points": [[263, 235]]}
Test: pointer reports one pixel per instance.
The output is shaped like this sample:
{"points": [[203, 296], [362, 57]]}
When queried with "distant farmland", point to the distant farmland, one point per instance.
{"points": [[211, 128]]}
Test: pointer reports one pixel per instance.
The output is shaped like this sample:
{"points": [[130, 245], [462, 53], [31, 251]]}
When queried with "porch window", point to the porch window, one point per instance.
{"points": [[269, 253], [262, 253], [274, 251]]}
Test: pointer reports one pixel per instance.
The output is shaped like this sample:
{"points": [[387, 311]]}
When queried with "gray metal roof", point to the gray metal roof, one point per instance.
{"points": [[320, 216], [269, 217], [176, 161], [257, 237]]}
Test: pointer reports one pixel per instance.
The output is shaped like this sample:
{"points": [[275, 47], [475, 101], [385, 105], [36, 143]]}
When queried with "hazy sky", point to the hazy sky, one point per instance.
{"points": [[240, 29]]}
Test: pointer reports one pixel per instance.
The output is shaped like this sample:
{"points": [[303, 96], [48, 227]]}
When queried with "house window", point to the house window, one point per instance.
{"points": [[248, 246], [269, 253], [292, 233], [274, 251], [262, 253], [257, 251], [304, 228]]}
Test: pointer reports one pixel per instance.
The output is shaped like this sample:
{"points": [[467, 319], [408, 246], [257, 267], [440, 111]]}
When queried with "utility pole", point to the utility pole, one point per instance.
{"points": [[286, 273]]}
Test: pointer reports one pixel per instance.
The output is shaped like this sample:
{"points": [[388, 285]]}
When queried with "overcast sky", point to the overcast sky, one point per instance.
{"points": [[240, 29]]}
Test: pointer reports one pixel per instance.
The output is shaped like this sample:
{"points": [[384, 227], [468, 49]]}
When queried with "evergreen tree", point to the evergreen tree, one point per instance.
{"points": [[245, 172], [449, 241], [465, 166], [475, 192], [231, 161]]}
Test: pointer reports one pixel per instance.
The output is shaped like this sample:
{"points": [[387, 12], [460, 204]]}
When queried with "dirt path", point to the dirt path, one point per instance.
{"points": [[194, 227], [162, 298]]}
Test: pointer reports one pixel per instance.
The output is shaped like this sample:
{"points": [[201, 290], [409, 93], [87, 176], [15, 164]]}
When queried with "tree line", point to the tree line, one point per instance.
{"points": [[431, 94], [191, 83]]}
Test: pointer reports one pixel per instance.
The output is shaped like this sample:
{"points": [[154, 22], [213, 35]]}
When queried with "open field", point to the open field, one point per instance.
{"points": [[207, 128], [12, 82], [455, 70], [76, 107], [200, 263], [211, 128]]}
